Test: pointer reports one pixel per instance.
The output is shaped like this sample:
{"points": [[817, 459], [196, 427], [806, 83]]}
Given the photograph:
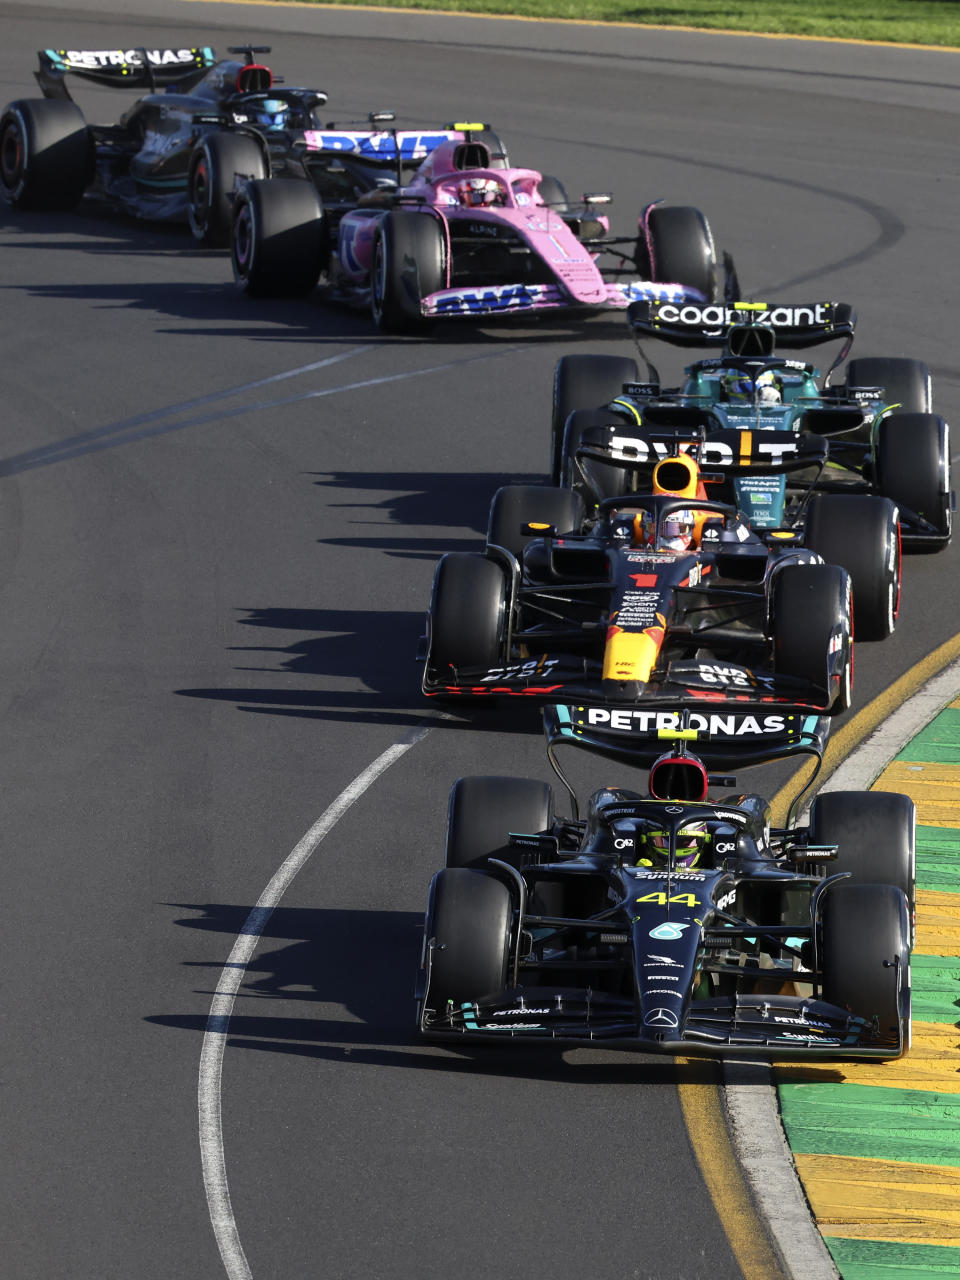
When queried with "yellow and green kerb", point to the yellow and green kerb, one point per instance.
{"points": [[877, 1145]]}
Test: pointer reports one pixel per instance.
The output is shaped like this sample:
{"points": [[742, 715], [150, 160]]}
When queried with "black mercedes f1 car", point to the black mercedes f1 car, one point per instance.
{"points": [[176, 154], [664, 921]]}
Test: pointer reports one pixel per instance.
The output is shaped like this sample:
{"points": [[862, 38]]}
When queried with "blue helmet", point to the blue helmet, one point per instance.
{"points": [[737, 386], [740, 387], [271, 113]]}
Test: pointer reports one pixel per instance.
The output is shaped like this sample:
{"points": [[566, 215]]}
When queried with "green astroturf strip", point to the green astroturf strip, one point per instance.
{"points": [[938, 859], [872, 1122], [938, 743], [879, 1260], [935, 985]]}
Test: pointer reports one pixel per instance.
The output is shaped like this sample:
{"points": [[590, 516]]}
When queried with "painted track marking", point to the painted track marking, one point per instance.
{"points": [[212, 1157], [146, 425]]}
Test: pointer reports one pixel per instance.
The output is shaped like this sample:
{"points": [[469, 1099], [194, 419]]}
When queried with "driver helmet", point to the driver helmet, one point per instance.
{"points": [[477, 192], [271, 113], [741, 388], [768, 388], [676, 531], [691, 843], [738, 387]]}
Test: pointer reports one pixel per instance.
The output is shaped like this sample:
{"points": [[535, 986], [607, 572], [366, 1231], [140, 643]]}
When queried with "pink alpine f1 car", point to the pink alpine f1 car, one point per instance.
{"points": [[461, 234]]}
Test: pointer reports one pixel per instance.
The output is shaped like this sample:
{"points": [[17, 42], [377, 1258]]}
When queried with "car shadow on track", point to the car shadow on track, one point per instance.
{"points": [[375, 648], [419, 499], [335, 958]]}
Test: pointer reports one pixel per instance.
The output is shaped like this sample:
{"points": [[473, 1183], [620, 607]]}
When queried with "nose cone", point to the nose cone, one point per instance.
{"points": [[631, 655]]}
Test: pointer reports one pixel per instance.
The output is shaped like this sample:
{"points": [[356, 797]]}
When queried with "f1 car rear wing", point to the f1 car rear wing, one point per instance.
{"points": [[704, 325], [121, 68]]}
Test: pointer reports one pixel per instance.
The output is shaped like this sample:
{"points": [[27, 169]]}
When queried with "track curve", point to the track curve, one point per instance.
{"points": [[218, 522]]}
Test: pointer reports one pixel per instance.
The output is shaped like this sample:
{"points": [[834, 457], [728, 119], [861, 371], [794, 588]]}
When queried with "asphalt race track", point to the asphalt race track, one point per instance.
{"points": [[218, 526]]}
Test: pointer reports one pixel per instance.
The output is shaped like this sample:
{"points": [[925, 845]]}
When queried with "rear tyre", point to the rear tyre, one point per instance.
{"points": [[811, 609], [553, 193], [584, 382], [277, 238], [864, 954], [906, 383], [913, 469], [483, 811], [679, 249], [409, 263], [216, 164], [592, 479], [467, 613], [46, 154], [862, 534], [470, 917], [875, 832], [518, 504]]}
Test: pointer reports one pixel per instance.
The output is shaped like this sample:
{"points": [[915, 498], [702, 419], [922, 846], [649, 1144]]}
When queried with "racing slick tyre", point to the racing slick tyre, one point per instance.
{"points": [[864, 954], [861, 533], [216, 164], [584, 382], [46, 154], [469, 918], [592, 479], [906, 383], [484, 810], [515, 505], [467, 613], [277, 238], [875, 832], [409, 263], [912, 466], [811, 607], [676, 247], [554, 193]]}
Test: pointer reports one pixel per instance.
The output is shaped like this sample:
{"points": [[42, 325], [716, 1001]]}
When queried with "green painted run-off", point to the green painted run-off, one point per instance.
{"points": [[917, 1126]]}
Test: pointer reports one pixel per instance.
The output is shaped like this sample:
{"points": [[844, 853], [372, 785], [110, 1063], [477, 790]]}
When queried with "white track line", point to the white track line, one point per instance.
{"points": [[218, 1021]]}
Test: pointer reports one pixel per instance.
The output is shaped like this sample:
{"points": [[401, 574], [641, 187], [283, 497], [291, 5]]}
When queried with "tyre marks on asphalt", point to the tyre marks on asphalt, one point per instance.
{"points": [[877, 1145], [155, 423]]}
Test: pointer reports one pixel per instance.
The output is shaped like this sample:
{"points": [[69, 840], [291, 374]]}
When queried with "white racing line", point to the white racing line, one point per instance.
{"points": [[218, 1020]]}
